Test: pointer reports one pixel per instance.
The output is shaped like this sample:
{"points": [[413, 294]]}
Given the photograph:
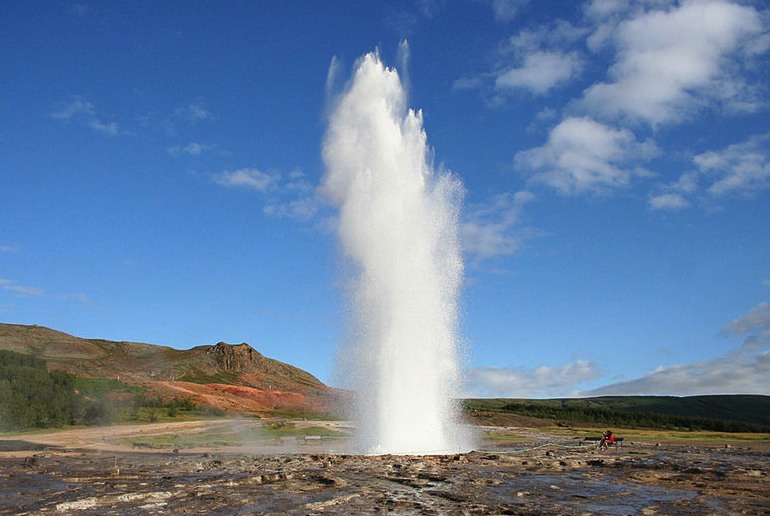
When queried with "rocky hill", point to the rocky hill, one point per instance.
{"points": [[233, 377]]}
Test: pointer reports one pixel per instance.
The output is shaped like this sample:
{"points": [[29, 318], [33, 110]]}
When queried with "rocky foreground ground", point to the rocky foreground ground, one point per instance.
{"points": [[545, 475]]}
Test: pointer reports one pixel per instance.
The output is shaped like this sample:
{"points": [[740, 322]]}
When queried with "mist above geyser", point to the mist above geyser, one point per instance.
{"points": [[399, 232]]}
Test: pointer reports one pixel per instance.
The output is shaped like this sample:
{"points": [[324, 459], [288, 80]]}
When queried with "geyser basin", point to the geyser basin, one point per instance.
{"points": [[398, 226]]}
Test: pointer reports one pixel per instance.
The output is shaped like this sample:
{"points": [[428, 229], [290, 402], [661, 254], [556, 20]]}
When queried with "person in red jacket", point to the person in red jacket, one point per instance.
{"points": [[607, 439]]}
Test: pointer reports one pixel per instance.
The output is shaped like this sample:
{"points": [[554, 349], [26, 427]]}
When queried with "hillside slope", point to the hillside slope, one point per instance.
{"points": [[202, 373]]}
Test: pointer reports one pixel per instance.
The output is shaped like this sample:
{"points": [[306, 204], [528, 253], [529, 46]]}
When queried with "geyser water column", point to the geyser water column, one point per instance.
{"points": [[398, 226]]}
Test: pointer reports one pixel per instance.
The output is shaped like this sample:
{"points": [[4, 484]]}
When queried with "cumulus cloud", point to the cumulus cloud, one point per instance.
{"points": [[544, 381], [11, 286], [743, 371], [535, 60], [585, 156], [669, 62], [492, 229], [84, 111], [539, 60]]}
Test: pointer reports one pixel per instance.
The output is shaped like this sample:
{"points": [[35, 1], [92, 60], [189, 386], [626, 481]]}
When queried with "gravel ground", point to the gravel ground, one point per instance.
{"points": [[543, 475]]}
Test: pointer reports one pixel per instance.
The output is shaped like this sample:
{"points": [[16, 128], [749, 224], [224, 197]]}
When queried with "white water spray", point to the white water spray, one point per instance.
{"points": [[398, 224]]}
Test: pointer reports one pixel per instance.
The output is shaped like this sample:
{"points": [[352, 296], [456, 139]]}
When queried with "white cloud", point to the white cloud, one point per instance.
{"points": [[191, 149], [110, 128], [79, 297], [603, 9], [506, 10], [535, 60], [9, 248], [285, 196], [490, 229], [743, 371], [742, 168], [248, 178], [11, 286], [195, 112], [539, 59], [669, 201], [85, 112], [541, 71], [584, 156], [77, 106], [304, 208], [726, 375], [520, 382], [669, 62], [755, 322]]}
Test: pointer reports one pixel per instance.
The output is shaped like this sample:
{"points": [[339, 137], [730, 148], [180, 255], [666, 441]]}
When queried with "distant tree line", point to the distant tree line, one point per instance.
{"points": [[615, 418], [33, 397]]}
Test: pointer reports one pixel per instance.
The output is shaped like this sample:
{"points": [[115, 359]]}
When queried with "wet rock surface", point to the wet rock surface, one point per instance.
{"points": [[528, 479]]}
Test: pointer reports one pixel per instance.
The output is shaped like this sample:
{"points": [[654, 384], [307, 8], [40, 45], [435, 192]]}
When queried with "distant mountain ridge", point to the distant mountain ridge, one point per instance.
{"points": [[261, 382]]}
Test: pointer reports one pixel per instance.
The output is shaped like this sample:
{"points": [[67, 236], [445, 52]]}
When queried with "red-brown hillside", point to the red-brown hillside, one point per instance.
{"points": [[233, 377]]}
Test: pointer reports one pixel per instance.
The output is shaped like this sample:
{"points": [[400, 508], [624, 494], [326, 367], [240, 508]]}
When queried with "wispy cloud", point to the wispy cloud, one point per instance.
{"points": [[12, 286], [191, 149], [194, 112], [585, 156], [668, 201], [741, 169], [744, 370], [246, 178], [754, 323], [79, 297], [79, 109], [285, 196], [507, 10], [493, 229], [522, 382], [9, 248]]}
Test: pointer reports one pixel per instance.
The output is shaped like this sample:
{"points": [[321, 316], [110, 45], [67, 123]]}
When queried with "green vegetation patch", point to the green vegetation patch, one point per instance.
{"points": [[289, 429], [192, 440]]}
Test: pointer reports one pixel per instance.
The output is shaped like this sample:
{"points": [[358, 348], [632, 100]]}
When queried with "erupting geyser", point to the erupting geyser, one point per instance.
{"points": [[398, 225]]}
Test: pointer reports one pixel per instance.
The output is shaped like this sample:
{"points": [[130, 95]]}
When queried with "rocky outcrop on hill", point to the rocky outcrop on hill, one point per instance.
{"points": [[235, 357]]}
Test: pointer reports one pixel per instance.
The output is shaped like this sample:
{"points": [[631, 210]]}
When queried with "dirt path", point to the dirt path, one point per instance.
{"points": [[105, 438]]}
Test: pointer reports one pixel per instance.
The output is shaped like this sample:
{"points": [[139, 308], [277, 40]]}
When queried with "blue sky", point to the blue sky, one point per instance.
{"points": [[160, 164]]}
